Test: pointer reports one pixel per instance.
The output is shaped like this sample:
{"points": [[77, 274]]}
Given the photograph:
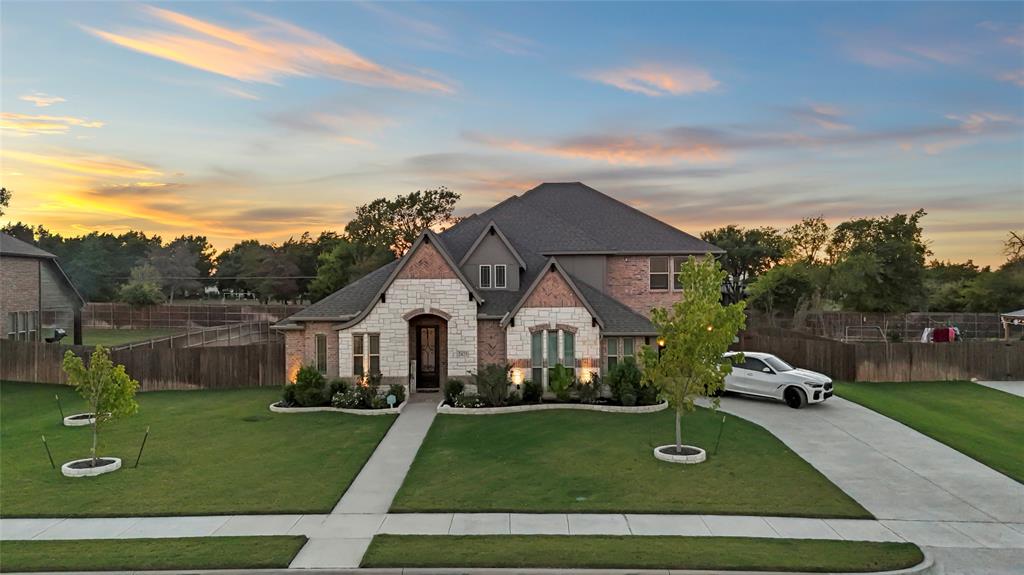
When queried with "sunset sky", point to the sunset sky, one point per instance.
{"points": [[240, 120]]}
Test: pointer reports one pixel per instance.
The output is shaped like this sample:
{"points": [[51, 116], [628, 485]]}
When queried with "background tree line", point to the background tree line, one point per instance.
{"points": [[863, 264], [144, 269]]}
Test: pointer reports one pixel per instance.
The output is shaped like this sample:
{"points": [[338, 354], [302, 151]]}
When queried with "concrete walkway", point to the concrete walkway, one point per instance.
{"points": [[1014, 387], [895, 472]]}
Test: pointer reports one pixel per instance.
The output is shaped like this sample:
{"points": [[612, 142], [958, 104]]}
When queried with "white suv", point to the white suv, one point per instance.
{"points": [[765, 375]]}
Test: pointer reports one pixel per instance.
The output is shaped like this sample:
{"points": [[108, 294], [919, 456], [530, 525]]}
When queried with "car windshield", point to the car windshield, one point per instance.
{"points": [[777, 364]]}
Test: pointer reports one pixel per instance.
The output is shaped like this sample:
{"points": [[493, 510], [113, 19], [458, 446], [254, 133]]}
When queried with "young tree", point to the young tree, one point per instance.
{"points": [[109, 390], [395, 223], [692, 337], [143, 288], [748, 254]]}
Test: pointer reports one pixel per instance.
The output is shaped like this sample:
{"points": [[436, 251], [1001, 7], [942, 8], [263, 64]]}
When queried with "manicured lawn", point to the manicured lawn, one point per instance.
{"points": [[108, 337], [580, 462], [610, 552], [983, 423], [140, 554], [209, 452]]}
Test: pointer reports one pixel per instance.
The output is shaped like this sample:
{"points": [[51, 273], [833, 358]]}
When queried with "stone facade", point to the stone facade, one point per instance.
{"points": [[557, 319], [490, 342], [628, 280], [19, 287], [387, 319]]}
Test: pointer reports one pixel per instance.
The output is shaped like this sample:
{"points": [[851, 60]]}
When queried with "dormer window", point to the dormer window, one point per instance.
{"points": [[500, 274], [485, 276]]}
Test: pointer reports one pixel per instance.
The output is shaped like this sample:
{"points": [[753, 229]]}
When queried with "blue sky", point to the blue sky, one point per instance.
{"points": [[241, 120]]}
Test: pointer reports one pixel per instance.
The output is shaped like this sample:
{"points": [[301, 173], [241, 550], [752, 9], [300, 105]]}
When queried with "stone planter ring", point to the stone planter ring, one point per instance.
{"points": [[84, 468], [80, 419], [689, 454]]}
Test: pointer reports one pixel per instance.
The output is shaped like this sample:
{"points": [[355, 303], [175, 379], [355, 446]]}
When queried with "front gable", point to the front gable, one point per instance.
{"points": [[426, 263], [553, 291]]}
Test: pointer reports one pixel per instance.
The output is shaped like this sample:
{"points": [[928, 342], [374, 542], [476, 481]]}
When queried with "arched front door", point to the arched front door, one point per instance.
{"points": [[428, 339]]}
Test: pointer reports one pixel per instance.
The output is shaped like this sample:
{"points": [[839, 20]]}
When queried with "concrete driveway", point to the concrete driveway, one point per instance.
{"points": [[895, 472], [1014, 387]]}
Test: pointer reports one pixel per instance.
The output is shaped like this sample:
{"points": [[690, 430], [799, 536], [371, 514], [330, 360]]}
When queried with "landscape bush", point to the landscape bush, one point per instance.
{"points": [[348, 399], [397, 390], [589, 391], [492, 384], [452, 389], [624, 381], [532, 392], [309, 389], [560, 382]]}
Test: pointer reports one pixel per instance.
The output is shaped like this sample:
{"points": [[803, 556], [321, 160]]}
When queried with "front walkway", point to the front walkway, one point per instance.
{"points": [[895, 472], [1014, 387]]}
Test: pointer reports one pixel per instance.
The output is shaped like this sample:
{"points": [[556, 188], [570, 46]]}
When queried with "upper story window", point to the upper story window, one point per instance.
{"points": [[485, 276], [500, 276], [677, 264], [659, 266]]}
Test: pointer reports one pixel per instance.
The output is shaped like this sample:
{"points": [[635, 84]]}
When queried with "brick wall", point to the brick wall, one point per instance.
{"points": [[490, 342], [628, 280], [19, 287], [426, 263], [553, 291]]}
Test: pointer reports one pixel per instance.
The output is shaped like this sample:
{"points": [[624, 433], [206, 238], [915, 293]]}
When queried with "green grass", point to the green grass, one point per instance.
{"points": [[141, 554], [209, 452], [983, 423], [586, 462], [93, 336], [633, 552]]}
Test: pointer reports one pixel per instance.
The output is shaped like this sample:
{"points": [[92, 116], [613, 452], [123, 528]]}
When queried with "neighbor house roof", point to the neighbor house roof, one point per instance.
{"points": [[549, 220], [11, 246]]}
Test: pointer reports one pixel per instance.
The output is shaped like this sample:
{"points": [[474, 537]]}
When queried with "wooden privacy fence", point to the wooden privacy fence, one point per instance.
{"points": [[231, 334], [908, 326], [254, 365], [985, 360]]}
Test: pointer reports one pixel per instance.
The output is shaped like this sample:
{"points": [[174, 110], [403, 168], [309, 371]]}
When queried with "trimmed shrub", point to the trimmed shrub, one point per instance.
{"points": [[492, 384], [308, 376], [532, 392], [624, 381], [397, 390], [590, 391], [560, 382], [468, 400], [309, 389], [336, 386], [349, 399], [452, 389]]}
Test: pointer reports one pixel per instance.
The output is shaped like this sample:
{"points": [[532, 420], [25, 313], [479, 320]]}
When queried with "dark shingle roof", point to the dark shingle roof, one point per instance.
{"points": [[12, 246], [553, 218]]}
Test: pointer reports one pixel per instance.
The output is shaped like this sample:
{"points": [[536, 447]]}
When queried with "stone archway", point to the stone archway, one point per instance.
{"points": [[428, 348]]}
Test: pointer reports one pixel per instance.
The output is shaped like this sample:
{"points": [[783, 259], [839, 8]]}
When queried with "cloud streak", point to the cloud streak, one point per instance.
{"points": [[276, 50], [657, 79], [36, 124], [41, 100], [90, 165]]}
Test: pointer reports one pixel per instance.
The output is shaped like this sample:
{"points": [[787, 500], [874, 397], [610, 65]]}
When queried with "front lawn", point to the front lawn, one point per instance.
{"points": [[582, 462], [983, 423], [209, 452], [634, 552], [151, 554], [93, 336]]}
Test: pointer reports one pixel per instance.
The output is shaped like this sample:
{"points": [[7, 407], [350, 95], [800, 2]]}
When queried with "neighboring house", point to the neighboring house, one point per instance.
{"points": [[562, 274], [36, 296]]}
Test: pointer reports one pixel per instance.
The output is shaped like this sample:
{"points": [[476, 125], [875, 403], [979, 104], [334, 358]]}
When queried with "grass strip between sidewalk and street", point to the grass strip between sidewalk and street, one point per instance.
{"points": [[638, 552], [151, 554], [983, 423]]}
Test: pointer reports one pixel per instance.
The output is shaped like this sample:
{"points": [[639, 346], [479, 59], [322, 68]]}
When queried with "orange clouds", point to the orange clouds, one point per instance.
{"points": [[276, 50], [88, 165], [31, 124], [657, 80], [642, 149]]}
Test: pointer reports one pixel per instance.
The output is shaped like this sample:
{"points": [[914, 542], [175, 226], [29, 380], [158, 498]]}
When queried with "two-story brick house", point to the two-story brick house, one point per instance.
{"points": [[36, 296], [561, 274]]}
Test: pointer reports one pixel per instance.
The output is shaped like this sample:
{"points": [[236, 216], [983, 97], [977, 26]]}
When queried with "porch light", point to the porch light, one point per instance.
{"points": [[661, 342]]}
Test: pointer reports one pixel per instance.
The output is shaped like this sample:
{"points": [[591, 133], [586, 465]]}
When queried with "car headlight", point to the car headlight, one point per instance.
{"points": [[813, 384]]}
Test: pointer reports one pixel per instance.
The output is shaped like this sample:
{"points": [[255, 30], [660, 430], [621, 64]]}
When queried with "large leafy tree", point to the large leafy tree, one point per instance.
{"points": [[344, 264], [786, 287], [693, 335], [109, 390], [201, 248], [144, 286], [807, 240], [748, 254], [177, 264], [394, 223], [1013, 247]]}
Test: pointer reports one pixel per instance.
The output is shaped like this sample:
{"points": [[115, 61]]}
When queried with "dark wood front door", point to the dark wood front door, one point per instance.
{"points": [[428, 358]]}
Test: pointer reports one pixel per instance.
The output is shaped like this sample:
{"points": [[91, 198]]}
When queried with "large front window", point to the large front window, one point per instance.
{"points": [[321, 352], [537, 356], [659, 272], [358, 355]]}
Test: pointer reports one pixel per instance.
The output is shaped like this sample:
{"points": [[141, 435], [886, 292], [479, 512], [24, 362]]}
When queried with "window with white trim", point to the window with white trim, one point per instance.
{"points": [[659, 272], [611, 351], [485, 276], [23, 325], [374, 353], [500, 276], [537, 357], [569, 351], [677, 264]]}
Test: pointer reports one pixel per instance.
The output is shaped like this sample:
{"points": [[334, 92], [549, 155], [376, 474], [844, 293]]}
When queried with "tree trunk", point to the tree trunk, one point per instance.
{"points": [[679, 432], [95, 437]]}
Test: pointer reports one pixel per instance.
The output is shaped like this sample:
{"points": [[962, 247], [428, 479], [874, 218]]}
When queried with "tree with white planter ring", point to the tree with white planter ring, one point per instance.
{"points": [[692, 336], [109, 389]]}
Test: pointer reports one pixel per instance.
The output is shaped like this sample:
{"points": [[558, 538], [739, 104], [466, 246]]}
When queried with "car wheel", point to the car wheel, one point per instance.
{"points": [[795, 397]]}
